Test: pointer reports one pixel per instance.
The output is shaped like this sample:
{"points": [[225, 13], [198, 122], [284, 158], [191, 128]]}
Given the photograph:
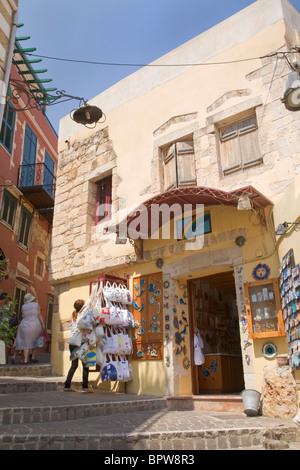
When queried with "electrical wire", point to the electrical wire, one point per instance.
{"points": [[117, 64]]}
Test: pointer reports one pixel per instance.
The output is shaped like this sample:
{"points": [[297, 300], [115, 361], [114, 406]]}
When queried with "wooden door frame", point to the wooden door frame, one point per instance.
{"points": [[191, 310]]}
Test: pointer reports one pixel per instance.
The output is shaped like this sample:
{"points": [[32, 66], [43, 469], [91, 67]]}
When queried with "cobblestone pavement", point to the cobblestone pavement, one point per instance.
{"points": [[148, 429], [53, 419], [153, 422]]}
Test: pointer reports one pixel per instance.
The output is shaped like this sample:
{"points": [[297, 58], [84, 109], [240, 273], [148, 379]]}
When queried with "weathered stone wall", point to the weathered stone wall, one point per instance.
{"points": [[80, 166], [279, 395]]}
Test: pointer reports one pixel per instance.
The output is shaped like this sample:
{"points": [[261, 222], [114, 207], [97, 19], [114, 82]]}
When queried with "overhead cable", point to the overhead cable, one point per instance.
{"points": [[93, 62]]}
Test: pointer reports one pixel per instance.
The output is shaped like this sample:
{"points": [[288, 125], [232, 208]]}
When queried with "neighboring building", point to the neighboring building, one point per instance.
{"points": [[8, 23], [28, 155], [216, 134]]}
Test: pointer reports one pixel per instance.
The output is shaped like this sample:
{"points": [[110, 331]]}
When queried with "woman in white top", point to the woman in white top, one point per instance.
{"points": [[85, 370], [30, 327]]}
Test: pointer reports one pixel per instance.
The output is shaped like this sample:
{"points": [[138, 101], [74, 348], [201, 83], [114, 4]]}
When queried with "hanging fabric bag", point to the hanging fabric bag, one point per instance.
{"points": [[111, 344], [76, 338], [99, 356], [125, 369], [117, 292], [114, 314], [108, 371], [81, 352], [90, 358], [125, 295], [85, 315], [125, 343], [105, 313], [108, 292]]}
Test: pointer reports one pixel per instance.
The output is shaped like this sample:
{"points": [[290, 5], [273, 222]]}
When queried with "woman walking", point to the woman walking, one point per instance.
{"points": [[85, 370], [30, 327]]}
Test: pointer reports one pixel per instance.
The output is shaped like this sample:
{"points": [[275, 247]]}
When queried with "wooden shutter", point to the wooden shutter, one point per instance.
{"points": [[239, 145], [170, 172], [249, 145], [185, 163], [179, 165]]}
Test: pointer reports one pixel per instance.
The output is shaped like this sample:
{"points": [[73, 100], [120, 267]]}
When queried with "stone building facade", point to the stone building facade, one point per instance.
{"points": [[202, 112]]}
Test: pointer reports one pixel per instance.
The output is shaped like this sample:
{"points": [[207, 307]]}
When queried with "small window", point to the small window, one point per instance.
{"points": [[24, 227], [39, 268], [239, 146], [179, 165], [9, 208], [103, 203], [7, 128]]}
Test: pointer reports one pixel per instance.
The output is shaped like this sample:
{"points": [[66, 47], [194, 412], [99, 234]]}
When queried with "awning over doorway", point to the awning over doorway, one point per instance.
{"points": [[191, 195]]}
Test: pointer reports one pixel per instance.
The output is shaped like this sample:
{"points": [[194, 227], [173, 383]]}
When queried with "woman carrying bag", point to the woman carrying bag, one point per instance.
{"points": [[85, 370]]}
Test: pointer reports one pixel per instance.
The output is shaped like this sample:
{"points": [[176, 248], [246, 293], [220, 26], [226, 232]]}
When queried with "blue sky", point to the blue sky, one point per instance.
{"points": [[115, 31]]}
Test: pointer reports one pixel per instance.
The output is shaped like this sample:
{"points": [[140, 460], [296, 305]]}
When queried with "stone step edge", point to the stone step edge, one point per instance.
{"points": [[229, 439], [42, 414], [39, 370]]}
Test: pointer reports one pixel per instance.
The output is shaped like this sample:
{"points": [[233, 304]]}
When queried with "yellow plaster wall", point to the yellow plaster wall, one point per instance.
{"points": [[149, 376]]}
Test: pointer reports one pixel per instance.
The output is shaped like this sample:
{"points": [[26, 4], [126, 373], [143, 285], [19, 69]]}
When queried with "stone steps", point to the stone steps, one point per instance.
{"points": [[222, 402], [36, 414]]}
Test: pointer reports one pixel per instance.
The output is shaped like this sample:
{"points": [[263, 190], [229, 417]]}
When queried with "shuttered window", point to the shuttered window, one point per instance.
{"points": [[179, 165], [26, 218], [7, 128], [239, 146], [8, 208]]}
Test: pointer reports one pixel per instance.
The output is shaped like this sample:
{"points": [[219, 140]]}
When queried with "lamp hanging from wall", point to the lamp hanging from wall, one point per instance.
{"points": [[87, 114], [282, 228], [244, 204], [291, 97]]}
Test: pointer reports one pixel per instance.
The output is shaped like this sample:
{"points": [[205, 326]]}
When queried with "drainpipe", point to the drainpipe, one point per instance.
{"points": [[5, 83]]}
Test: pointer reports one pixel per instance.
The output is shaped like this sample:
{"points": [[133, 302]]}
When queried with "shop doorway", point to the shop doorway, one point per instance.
{"points": [[213, 311]]}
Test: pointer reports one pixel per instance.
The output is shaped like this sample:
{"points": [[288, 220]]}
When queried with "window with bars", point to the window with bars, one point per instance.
{"points": [[239, 145], [179, 164]]}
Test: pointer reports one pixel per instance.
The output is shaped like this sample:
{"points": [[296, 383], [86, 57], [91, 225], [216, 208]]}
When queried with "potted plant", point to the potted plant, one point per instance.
{"points": [[8, 320]]}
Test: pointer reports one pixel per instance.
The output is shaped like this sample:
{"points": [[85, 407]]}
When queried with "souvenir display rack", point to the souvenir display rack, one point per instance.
{"points": [[100, 338], [263, 308], [290, 298], [147, 309]]}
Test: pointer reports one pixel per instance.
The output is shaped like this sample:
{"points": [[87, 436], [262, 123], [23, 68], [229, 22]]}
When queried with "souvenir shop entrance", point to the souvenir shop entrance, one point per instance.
{"points": [[213, 311]]}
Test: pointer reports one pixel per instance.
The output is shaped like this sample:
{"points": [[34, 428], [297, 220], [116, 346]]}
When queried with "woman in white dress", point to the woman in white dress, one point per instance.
{"points": [[30, 327]]}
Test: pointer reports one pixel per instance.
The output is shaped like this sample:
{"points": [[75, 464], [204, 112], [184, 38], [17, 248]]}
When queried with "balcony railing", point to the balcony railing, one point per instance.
{"points": [[37, 183]]}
